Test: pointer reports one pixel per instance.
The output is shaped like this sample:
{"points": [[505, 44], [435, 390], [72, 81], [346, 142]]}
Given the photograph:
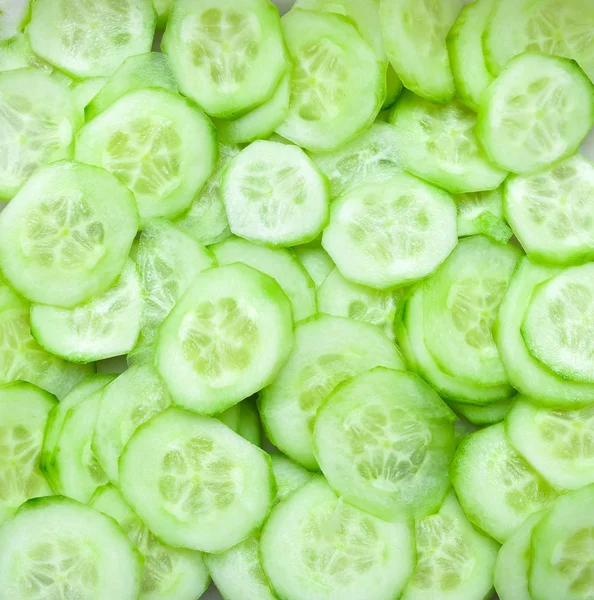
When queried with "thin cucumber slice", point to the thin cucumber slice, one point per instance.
{"points": [[338, 85], [557, 443], [460, 305], [38, 122], [328, 350], [280, 264], [169, 573], [65, 237], [371, 157], [473, 205], [84, 91], [228, 55], [137, 72], [483, 415], [57, 548], [274, 194], [250, 427], [206, 221], [289, 476], [313, 529], [414, 37], [194, 482], [537, 112], [384, 440], [455, 562], [551, 212], [60, 33], [496, 487], [393, 88], [560, 547], [390, 234], [437, 143], [24, 410], [493, 227], [157, 144], [17, 54], [226, 338], [13, 14], [465, 49], [316, 262], [528, 375], [133, 398]]}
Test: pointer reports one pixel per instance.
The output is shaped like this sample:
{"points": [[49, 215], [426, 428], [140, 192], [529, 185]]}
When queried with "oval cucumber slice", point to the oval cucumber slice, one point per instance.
{"points": [[289, 476], [315, 261], [13, 14], [194, 482], [483, 415], [474, 204]]}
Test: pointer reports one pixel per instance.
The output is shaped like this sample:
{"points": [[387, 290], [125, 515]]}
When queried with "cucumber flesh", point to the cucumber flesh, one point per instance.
{"points": [[289, 476], [492, 227], [315, 261], [84, 91], [13, 14], [16, 53], [471, 206]]}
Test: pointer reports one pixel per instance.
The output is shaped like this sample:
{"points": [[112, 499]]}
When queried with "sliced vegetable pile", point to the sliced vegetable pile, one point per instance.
{"points": [[346, 255]]}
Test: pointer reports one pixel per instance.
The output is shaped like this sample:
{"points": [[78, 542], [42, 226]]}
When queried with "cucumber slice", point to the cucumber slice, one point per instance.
{"points": [[13, 14], [561, 559], [372, 157], [473, 205], [455, 562], [384, 440], [65, 237], [280, 264], [493, 227], [315, 261], [414, 37], [556, 443], [133, 398], [57, 548], [289, 476], [228, 55], [465, 49], [315, 546], [338, 85], [24, 410], [328, 350], [391, 234], [551, 212], [437, 143], [250, 427], [274, 194], [135, 73], [84, 91], [169, 573], [17, 54], [483, 415], [157, 144], [38, 121], [194, 482], [206, 221], [496, 487], [226, 338], [537, 112], [90, 40]]}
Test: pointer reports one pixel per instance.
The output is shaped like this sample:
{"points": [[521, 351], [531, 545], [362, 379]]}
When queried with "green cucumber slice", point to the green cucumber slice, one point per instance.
{"points": [[24, 410], [194, 482], [157, 144], [384, 440], [59, 33], [316, 262], [289, 476], [84, 91], [496, 487], [316, 546], [437, 143], [274, 194], [483, 415], [226, 338], [537, 112], [471, 206], [228, 55], [17, 54], [169, 573], [250, 427], [66, 236], [13, 14], [338, 85], [280, 264], [390, 234], [328, 350]]}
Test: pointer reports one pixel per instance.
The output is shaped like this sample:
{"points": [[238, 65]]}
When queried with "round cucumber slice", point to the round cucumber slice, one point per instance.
{"points": [[384, 440], [226, 338], [228, 55], [66, 236], [315, 546], [274, 194], [483, 415], [496, 487], [328, 350], [289, 476], [157, 144], [538, 111], [280, 264], [391, 234], [474, 204], [437, 143], [60, 32], [13, 14], [338, 85], [57, 548], [194, 482], [24, 410], [315, 260]]}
